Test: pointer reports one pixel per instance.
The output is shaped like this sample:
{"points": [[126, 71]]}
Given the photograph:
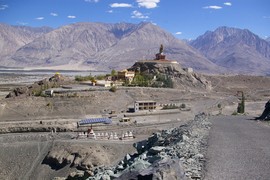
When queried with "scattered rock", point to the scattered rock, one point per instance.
{"points": [[173, 154], [156, 149]]}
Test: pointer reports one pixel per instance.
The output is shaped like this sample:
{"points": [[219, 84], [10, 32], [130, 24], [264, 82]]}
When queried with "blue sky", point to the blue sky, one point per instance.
{"points": [[186, 19]]}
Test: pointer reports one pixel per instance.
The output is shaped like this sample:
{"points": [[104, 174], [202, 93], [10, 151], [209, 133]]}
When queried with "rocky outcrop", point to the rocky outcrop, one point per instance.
{"points": [[181, 77], [176, 153], [78, 156], [156, 67], [266, 113], [37, 88]]}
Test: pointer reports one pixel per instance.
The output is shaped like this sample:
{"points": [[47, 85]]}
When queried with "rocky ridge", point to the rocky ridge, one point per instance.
{"points": [[176, 153], [13, 38], [37, 88], [237, 50], [102, 46]]}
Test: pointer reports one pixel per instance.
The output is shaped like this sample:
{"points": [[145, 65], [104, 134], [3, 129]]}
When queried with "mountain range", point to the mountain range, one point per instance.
{"points": [[103, 46], [235, 49]]}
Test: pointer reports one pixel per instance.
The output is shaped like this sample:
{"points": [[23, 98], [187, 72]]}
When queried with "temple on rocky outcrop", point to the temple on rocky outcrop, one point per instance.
{"points": [[158, 65]]}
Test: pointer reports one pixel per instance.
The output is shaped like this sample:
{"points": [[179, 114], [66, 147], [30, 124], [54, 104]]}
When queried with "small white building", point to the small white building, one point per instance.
{"points": [[144, 105], [103, 83], [49, 92]]}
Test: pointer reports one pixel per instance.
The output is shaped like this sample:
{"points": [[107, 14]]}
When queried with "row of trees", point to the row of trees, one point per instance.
{"points": [[94, 78], [140, 79], [149, 80]]}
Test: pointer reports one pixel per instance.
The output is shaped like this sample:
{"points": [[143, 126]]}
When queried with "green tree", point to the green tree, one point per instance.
{"points": [[113, 72], [164, 80], [241, 105], [168, 83], [141, 80]]}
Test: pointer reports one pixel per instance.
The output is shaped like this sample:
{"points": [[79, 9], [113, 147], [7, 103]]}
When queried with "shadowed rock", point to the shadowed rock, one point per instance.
{"points": [[164, 169], [266, 113]]}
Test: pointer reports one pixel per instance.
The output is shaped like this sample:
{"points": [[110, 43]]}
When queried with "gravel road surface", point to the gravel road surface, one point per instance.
{"points": [[239, 148]]}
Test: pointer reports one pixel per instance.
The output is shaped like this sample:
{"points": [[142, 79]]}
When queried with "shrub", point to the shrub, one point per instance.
{"points": [[100, 77], [113, 89], [183, 106], [234, 113], [170, 106], [113, 72], [84, 78]]}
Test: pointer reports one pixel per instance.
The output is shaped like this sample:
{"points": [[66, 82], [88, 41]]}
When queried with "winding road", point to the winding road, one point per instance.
{"points": [[238, 148]]}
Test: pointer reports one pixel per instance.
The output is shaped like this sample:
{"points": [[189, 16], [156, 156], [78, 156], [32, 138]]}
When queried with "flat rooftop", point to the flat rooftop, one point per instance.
{"points": [[164, 61], [145, 101]]}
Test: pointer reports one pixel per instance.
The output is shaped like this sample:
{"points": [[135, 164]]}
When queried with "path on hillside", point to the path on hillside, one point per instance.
{"points": [[43, 149], [238, 149]]}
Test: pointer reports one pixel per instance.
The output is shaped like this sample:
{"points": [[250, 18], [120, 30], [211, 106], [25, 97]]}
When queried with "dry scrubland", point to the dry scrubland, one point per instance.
{"points": [[22, 154]]}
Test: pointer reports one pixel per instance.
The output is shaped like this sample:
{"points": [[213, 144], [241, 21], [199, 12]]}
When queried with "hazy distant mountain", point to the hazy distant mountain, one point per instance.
{"points": [[268, 39], [235, 49], [187, 40], [14, 37], [103, 46]]}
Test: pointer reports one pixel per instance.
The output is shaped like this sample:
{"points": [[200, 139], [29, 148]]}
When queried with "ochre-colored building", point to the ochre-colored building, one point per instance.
{"points": [[125, 75]]}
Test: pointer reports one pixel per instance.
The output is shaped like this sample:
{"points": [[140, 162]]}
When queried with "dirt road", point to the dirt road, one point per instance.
{"points": [[239, 148]]}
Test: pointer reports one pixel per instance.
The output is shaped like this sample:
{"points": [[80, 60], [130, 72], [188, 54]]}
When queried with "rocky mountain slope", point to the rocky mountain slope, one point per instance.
{"points": [[104, 46], [14, 37], [268, 39], [235, 49]]}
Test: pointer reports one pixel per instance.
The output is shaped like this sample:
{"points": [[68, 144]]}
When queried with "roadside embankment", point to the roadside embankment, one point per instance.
{"points": [[177, 153]]}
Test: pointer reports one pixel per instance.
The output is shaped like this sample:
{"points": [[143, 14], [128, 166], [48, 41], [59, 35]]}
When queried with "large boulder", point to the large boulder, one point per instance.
{"points": [[165, 169]]}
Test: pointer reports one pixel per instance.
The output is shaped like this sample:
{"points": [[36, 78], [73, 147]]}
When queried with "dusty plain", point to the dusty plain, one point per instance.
{"points": [[22, 154]]}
